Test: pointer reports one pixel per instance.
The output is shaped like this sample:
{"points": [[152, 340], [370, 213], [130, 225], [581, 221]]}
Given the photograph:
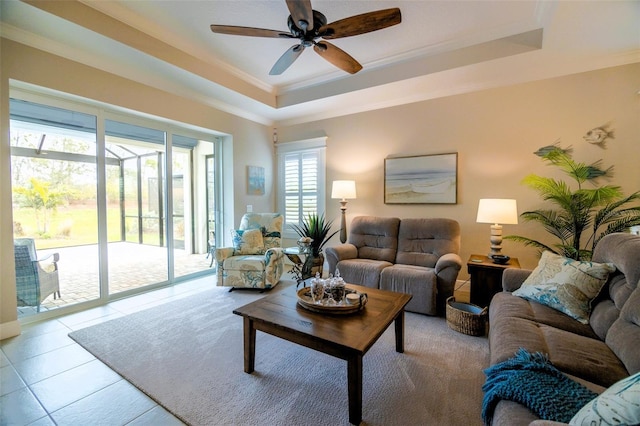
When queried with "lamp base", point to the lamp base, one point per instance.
{"points": [[343, 222], [496, 240]]}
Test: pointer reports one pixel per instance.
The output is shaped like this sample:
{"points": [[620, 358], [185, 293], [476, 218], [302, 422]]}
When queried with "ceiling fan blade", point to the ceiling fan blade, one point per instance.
{"points": [[287, 59], [337, 57], [249, 31], [301, 11], [360, 24]]}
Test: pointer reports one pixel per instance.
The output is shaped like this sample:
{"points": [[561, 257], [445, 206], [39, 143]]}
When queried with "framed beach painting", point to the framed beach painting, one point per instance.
{"points": [[424, 179], [255, 180]]}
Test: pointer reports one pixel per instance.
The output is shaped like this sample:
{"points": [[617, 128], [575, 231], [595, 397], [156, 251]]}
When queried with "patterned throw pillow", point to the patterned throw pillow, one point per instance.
{"points": [[618, 405], [248, 241], [566, 285]]}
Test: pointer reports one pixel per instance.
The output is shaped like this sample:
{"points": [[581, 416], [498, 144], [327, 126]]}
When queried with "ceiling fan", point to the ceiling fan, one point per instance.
{"points": [[309, 25]]}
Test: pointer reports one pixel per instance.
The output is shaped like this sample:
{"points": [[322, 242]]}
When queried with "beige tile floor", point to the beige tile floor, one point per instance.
{"points": [[48, 379]]}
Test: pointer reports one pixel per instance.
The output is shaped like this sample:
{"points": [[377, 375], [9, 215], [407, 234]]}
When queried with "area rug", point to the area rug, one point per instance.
{"points": [[188, 356]]}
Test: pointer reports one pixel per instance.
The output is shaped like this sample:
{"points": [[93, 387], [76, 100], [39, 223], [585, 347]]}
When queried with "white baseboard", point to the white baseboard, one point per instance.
{"points": [[9, 329]]}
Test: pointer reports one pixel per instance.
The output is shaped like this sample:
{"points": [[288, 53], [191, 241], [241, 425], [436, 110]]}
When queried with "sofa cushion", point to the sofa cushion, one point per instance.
{"points": [[375, 238], [590, 359], [565, 284], [581, 356], [626, 329], [509, 413], [422, 242], [507, 335], [364, 272], [621, 250], [418, 281], [516, 307], [619, 404], [245, 262]]}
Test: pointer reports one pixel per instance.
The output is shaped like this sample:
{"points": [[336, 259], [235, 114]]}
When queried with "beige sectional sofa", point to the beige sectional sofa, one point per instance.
{"points": [[416, 256], [597, 354]]}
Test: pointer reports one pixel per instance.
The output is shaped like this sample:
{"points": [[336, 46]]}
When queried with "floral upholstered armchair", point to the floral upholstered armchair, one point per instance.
{"points": [[256, 259]]}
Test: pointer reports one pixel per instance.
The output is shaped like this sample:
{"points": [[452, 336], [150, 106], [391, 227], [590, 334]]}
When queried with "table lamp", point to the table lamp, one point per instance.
{"points": [[343, 189], [497, 211]]}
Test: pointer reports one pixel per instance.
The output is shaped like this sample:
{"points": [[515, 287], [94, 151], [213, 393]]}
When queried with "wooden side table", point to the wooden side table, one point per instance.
{"points": [[486, 277]]}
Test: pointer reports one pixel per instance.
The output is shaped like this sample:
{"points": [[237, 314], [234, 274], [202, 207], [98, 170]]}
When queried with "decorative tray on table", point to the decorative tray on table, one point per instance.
{"points": [[326, 306]]}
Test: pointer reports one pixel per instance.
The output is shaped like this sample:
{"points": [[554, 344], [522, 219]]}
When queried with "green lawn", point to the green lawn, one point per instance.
{"points": [[69, 226]]}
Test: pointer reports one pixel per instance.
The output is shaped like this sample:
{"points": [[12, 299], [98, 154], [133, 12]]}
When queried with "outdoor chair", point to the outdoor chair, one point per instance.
{"points": [[256, 259], [36, 279], [211, 247]]}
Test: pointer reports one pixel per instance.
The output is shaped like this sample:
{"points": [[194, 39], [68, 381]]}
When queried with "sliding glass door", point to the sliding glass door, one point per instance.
{"points": [[191, 184], [55, 214], [140, 151], [155, 208]]}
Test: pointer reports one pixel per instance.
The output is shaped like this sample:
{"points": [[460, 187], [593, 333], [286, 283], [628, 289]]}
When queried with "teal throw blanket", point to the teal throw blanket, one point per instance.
{"points": [[531, 380]]}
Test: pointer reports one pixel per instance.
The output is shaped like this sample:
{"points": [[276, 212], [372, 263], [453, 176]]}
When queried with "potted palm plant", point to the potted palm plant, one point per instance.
{"points": [[583, 215], [315, 228]]}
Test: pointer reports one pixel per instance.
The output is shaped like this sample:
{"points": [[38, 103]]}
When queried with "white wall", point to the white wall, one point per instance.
{"points": [[495, 133]]}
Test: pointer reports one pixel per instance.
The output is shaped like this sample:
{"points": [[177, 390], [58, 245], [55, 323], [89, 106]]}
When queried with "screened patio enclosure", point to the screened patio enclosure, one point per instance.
{"points": [[94, 185]]}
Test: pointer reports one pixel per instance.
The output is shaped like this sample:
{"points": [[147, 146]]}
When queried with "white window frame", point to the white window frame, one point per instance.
{"points": [[315, 146]]}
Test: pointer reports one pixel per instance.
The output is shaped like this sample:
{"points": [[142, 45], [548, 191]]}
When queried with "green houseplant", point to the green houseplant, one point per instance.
{"points": [[316, 228], [581, 215]]}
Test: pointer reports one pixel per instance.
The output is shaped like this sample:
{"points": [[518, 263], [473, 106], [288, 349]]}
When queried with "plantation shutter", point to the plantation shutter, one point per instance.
{"points": [[301, 185], [302, 188]]}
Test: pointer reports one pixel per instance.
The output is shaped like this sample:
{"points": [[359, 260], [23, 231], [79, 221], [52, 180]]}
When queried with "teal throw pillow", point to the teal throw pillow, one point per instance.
{"points": [[566, 285]]}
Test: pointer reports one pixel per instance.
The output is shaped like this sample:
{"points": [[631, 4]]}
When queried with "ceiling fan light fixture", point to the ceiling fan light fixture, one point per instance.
{"points": [[307, 25]]}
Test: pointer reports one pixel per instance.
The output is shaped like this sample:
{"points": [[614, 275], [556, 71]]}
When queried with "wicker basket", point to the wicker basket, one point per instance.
{"points": [[466, 318]]}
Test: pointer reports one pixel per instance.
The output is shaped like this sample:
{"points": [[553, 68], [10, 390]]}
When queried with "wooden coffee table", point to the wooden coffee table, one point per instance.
{"points": [[347, 337]]}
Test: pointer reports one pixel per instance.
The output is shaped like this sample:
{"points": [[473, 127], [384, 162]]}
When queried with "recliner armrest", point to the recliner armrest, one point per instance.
{"points": [[447, 261], [222, 253], [274, 253], [513, 278], [335, 254]]}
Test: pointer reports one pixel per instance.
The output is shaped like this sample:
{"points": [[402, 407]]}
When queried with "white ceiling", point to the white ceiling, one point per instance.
{"points": [[440, 48]]}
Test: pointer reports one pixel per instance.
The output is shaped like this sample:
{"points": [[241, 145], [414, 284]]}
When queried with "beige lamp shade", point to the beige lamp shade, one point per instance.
{"points": [[497, 210], [344, 189]]}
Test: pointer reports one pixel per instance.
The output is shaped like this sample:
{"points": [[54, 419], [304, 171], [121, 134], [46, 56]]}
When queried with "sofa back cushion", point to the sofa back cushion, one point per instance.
{"points": [[375, 237], [624, 334], [422, 242], [623, 250], [269, 223]]}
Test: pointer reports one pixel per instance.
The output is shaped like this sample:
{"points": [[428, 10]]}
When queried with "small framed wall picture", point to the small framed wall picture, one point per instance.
{"points": [[255, 180], [424, 179]]}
